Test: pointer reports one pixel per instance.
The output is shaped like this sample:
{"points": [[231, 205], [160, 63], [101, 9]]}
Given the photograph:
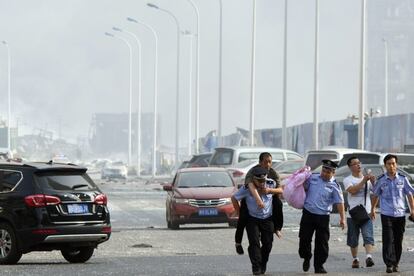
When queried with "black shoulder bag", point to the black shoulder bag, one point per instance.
{"points": [[358, 214]]}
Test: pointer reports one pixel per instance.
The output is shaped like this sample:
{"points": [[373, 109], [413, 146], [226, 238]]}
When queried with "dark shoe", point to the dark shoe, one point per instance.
{"points": [[355, 264], [320, 270], [239, 249], [395, 269], [306, 265], [389, 269], [264, 268], [257, 272], [369, 262]]}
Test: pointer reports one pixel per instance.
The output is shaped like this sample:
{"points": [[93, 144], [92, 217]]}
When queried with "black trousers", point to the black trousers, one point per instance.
{"points": [[277, 217], [392, 236], [309, 224], [259, 231]]}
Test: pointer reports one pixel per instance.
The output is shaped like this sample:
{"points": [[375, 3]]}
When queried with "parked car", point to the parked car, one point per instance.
{"points": [[197, 160], [287, 168], [376, 169], [47, 206], [200, 195], [313, 158], [230, 156], [115, 170], [239, 171], [405, 160]]}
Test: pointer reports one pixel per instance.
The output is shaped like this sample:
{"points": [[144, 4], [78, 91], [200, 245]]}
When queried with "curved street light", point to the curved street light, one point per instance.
{"points": [[130, 88], [139, 131], [154, 148], [177, 122]]}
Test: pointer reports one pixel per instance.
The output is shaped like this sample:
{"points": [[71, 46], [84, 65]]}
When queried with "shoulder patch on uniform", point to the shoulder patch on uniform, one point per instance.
{"points": [[336, 183], [381, 176]]}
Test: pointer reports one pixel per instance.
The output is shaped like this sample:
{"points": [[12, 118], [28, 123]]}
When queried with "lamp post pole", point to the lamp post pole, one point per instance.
{"points": [[190, 86], [154, 148], [385, 77], [8, 94], [130, 93], [139, 98], [316, 84], [284, 107], [253, 75], [361, 133], [220, 82], [177, 105], [197, 79]]}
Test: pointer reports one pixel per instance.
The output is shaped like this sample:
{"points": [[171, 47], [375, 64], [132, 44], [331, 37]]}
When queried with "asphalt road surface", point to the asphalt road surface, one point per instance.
{"points": [[141, 244]]}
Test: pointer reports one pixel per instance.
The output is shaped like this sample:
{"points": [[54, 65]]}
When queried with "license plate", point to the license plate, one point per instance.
{"points": [[208, 212], [77, 208]]}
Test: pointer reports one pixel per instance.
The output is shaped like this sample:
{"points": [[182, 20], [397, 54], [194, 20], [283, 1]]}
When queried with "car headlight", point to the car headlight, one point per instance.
{"points": [[181, 200], [226, 200]]}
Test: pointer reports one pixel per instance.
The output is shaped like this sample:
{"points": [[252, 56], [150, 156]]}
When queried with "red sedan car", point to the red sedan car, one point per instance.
{"points": [[200, 195]]}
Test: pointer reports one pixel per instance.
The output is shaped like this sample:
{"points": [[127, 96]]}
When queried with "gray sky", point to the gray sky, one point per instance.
{"points": [[64, 68]]}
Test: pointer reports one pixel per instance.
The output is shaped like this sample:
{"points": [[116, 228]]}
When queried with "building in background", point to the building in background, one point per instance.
{"points": [[392, 21]]}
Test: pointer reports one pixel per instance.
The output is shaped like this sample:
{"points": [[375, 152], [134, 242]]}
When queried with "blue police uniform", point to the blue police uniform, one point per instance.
{"points": [[392, 193], [320, 195], [259, 227]]}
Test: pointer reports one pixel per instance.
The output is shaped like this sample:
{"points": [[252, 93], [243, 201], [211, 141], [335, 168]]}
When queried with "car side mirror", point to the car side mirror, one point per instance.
{"points": [[167, 187]]}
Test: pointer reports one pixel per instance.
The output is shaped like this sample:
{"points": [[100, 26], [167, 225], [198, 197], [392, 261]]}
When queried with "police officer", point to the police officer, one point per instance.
{"points": [[259, 226], [321, 192], [391, 188]]}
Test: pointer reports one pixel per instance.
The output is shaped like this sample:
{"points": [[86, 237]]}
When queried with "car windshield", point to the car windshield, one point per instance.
{"points": [[314, 160], [245, 163], [64, 181], [204, 179], [288, 167]]}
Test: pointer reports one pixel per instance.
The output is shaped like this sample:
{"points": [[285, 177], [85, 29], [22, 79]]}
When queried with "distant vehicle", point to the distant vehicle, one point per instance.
{"points": [[313, 158], [230, 156], [376, 169], [114, 170], [405, 160], [48, 206], [198, 160], [200, 195], [239, 171], [287, 168]]}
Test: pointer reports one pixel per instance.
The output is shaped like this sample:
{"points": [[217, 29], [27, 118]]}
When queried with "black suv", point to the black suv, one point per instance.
{"points": [[47, 206]]}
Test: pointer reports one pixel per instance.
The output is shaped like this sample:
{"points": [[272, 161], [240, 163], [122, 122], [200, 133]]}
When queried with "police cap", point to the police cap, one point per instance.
{"points": [[329, 164], [260, 173]]}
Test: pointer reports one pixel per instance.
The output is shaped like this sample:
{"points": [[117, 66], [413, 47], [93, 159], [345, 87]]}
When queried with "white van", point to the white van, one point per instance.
{"points": [[230, 156], [313, 158]]}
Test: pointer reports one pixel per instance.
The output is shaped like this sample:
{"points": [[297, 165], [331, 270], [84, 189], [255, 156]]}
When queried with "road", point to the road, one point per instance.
{"points": [[141, 244]]}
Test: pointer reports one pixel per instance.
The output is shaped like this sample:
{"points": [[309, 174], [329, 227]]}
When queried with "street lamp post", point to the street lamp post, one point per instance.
{"points": [[253, 76], [361, 133], [197, 80], [177, 106], [190, 36], [8, 94], [130, 93], [154, 148], [284, 107], [316, 87], [385, 77], [220, 92], [139, 97]]}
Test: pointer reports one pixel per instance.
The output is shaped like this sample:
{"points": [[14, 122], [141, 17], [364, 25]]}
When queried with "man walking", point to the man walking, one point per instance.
{"points": [[358, 186], [391, 189], [321, 192], [259, 223]]}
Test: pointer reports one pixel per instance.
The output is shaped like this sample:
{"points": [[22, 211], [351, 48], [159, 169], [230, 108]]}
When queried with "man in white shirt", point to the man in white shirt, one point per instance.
{"points": [[358, 187]]}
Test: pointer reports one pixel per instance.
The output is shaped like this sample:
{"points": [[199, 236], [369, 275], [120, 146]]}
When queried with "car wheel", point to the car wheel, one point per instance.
{"points": [[170, 224], [9, 253], [78, 255]]}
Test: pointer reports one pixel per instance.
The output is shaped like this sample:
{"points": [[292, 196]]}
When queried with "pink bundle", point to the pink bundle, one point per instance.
{"points": [[294, 192]]}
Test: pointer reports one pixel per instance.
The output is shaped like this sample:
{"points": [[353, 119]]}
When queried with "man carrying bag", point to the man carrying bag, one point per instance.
{"points": [[357, 185]]}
